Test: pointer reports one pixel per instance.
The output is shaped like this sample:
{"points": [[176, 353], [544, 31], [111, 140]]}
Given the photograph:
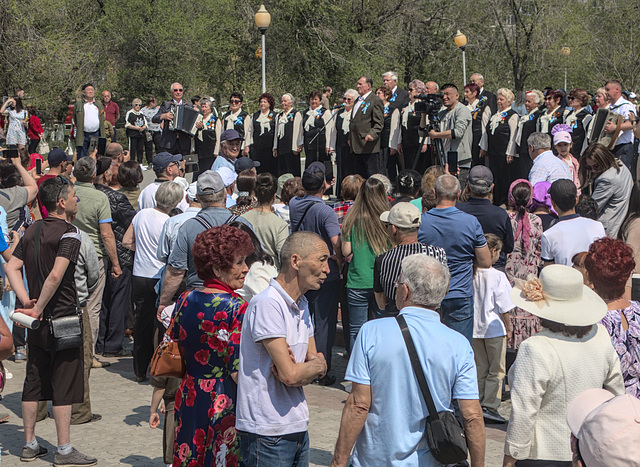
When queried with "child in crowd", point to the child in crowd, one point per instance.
{"points": [[562, 143], [491, 303]]}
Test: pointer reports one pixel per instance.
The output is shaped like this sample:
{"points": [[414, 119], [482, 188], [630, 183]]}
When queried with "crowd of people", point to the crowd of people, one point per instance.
{"points": [[502, 242]]}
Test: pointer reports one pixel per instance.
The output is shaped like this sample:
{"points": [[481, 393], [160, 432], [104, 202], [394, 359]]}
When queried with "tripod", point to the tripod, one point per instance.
{"points": [[434, 124]]}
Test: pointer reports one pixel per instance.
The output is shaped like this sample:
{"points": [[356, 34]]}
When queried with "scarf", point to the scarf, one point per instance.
{"points": [[216, 284], [283, 119], [265, 122], [523, 226]]}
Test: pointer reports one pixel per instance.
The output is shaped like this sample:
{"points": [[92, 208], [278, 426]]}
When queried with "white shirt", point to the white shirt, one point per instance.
{"points": [[147, 225], [359, 102], [569, 236], [147, 198], [491, 298], [624, 108], [91, 117]]}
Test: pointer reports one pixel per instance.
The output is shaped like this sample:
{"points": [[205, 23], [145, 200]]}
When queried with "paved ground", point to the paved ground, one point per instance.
{"points": [[123, 436]]}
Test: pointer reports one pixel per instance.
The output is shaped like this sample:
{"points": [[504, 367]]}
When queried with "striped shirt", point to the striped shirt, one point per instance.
{"points": [[387, 266]]}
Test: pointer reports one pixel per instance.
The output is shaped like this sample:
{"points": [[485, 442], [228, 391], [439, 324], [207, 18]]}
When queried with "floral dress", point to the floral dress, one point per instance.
{"points": [[17, 132], [521, 262], [208, 326], [627, 344]]}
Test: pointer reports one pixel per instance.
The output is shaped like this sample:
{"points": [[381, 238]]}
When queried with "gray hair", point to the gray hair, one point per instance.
{"points": [[418, 85], [351, 93], [427, 280], [391, 74], [447, 187], [480, 77], [537, 95], [85, 169], [299, 243], [507, 94], [213, 199], [289, 96], [168, 196], [539, 141], [385, 181]]}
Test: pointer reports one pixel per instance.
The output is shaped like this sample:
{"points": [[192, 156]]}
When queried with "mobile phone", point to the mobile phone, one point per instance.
{"points": [[10, 153], [93, 143], [102, 146], [39, 166], [452, 160]]}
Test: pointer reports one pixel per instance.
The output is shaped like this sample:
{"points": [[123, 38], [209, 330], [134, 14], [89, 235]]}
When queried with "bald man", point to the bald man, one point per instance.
{"points": [[173, 142]]}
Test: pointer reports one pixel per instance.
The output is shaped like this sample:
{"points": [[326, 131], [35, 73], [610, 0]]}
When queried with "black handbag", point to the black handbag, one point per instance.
{"points": [[66, 330], [445, 437]]}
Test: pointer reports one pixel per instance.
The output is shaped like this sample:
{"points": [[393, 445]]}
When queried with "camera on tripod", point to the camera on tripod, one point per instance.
{"points": [[429, 104]]}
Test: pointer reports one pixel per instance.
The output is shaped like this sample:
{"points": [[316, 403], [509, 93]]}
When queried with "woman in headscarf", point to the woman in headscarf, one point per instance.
{"points": [[525, 259]]}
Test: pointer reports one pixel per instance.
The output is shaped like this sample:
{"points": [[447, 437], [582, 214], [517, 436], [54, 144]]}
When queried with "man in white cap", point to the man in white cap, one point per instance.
{"points": [[605, 429], [402, 223]]}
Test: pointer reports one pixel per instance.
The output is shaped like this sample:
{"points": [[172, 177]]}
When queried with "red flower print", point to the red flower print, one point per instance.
{"points": [[203, 338], [220, 316], [215, 344], [199, 439], [222, 402], [184, 451], [183, 334], [202, 356], [235, 338], [227, 422], [207, 385], [194, 463], [208, 326], [191, 397], [200, 315]]}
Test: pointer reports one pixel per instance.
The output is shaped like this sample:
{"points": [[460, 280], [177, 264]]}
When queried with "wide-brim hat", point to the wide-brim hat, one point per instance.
{"points": [[559, 295]]}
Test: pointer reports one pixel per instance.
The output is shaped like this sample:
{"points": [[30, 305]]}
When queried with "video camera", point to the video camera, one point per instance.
{"points": [[429, 104]]}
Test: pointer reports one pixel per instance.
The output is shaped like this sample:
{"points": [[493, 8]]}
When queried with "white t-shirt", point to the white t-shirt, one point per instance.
{"points": [[491, 298], [569, 236], [147, 225], [147, 198], [91, 117]]}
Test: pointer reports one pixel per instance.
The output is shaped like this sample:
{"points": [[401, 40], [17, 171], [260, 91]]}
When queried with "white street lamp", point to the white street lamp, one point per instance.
{"points": [[263, 20]]}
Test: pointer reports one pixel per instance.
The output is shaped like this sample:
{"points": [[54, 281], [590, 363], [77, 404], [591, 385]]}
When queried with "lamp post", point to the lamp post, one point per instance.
{"points": [[565, 51], [461, 42], [263, 20]]}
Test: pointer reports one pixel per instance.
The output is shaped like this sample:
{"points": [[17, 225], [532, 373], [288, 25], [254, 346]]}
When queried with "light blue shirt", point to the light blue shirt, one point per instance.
{"points": [[548, 167], [170, 232], [393, 432], [222, 161]]}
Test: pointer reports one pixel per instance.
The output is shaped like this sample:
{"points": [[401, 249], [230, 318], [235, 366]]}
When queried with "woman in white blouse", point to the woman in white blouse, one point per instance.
{"points": [[260, 136], [480, 115], [499, 144], [390, 134], [339, 139]]}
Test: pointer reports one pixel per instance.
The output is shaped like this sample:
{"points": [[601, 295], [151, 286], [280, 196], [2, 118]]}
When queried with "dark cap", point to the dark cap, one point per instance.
{"points": [[314, 176], [102, 165], [162, 160], [57, 156], [244, 163], [563, 193], [230, 135], [480, 176]]}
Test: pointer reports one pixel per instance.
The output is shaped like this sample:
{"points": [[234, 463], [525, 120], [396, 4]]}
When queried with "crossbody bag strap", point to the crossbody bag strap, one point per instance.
{"points": [[417, 368], [302, 218], [36, 251]]}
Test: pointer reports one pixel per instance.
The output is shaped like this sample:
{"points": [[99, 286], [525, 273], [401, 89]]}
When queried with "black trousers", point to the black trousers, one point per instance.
{"points": [[204, 164], [149, 146], [323, 305], [116, 305], [289, 163], [367, 164], [136, 148], [144, 302], [33, 145], [345, 165]]}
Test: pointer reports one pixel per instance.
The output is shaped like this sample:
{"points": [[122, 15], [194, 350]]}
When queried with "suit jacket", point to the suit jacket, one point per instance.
{"points": [[492, 100], [78, 119], [169, 137], [367, 120], [400, 99]]}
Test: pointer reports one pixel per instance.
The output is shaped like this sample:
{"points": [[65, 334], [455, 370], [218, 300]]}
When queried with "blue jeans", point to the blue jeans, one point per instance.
{"points": [[274, 451], [457, 314], [82, 150], [361, 301]]}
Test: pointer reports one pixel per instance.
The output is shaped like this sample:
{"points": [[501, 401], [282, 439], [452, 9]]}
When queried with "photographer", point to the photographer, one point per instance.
{"points": [[455, 125]]}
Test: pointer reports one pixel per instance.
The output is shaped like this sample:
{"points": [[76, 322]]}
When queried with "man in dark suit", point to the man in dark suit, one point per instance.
{"points": [[492, 101], [400, 97], [367, 121], [173, 142]]}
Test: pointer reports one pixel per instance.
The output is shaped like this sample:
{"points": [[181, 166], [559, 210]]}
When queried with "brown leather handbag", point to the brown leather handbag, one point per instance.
{"points": [[167, 359]]}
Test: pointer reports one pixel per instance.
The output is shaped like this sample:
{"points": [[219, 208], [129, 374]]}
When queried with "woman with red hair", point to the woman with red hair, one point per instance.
{"points": [[609, 264], [207, 325], [554, 112]]}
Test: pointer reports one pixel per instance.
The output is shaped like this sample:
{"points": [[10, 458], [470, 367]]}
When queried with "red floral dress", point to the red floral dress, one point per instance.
{"points": [[208, 328]]}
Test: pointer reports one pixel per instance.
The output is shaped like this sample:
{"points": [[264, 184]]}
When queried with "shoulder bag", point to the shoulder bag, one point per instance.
{"points": [[66, 330], [445, 436], [167, 359]]}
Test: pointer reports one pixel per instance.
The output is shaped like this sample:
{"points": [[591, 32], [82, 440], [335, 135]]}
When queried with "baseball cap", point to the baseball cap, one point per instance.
{"points": [[244, 163], [314, 176], [404, 215], [563, 192], [228, 176], [230, 135], [607, 427], [562, 137], [281, 179], [480, 175], [162, 160], [209, 182], [192, 191], [102, 165], [57, 156]]}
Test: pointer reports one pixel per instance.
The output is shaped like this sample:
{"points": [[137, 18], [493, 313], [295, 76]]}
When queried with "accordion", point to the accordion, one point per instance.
{"points": [[184, 119], [596, 130]]}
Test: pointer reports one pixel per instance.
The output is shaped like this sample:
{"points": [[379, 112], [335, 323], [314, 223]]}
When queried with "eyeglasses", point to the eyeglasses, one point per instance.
{"points": [[348, 99], [64, 182], [397, 283], [177, 90], [548, 98], [137, 105], [234, 101]]}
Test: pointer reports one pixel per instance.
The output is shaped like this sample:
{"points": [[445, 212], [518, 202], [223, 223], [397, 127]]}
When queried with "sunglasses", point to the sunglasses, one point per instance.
{"points": [[137, 105], [234, 101], [64, 182], [177, 90]]}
